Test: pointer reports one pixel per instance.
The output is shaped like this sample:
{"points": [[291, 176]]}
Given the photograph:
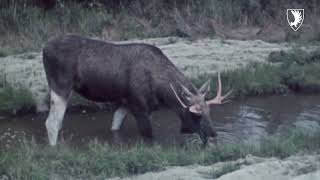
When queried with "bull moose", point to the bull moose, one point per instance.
{"points": [[137, 76]]}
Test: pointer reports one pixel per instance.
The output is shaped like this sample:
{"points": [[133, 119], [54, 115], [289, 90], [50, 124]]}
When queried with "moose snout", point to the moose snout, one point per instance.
{"points": [[213, 133], [206, 130]]}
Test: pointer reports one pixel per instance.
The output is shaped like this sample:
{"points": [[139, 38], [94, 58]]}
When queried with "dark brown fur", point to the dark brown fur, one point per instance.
{"points": [[136, 75]]}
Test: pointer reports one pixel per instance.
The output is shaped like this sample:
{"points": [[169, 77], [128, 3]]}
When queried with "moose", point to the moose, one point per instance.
{"points": [[136, 76]]}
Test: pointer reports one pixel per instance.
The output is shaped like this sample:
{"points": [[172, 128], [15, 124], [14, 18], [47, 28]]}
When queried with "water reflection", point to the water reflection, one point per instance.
{"points": [[250, 120]]}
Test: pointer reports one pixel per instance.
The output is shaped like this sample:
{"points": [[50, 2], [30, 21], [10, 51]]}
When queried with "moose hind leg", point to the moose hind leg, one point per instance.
{"points": [[118, 117], [56, 114]]}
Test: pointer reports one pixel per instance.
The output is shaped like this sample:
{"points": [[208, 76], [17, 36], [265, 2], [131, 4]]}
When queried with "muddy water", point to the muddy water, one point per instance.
{"points": [[239, 121]]}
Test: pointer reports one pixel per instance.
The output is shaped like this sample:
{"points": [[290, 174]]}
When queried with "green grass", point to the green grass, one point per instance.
{"points": [[292, 71], [253, 80], [97, 160], [31, 28], [25, 27], [15, 100]]}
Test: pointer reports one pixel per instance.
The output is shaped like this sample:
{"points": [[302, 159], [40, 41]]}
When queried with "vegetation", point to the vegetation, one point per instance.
{"points": [[26, 25], [15, 100], [98, 160], [292, 71]]}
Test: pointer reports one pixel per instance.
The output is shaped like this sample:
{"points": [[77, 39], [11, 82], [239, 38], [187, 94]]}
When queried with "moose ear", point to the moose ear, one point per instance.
{"points": [[205, 88]]}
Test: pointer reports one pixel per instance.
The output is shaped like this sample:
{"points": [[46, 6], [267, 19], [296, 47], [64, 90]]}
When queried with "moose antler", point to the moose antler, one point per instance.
{"points": [[219, 98], [175, 93]]}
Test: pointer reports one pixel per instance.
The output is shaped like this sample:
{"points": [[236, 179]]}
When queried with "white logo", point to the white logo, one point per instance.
{"points": [[296, 16]]}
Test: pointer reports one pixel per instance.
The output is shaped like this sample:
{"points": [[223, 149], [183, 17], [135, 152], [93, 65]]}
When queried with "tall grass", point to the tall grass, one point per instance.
{"points": [[98, 160], [30, 28], [25, 27]]}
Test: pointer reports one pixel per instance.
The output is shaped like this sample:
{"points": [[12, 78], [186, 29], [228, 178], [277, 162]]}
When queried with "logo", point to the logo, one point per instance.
{"points": [[295, 18]]}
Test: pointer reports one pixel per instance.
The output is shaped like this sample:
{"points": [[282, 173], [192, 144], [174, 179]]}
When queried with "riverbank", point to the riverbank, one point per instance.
{"points": [[100, 161], [299, 167], [251, 68]]}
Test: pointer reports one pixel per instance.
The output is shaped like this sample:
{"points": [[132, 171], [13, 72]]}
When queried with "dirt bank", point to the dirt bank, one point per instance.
{"points": [[192, 57], [304, 167]]}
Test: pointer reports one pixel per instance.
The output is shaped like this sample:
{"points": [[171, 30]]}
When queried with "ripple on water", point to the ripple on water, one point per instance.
{"points": [[308, 119], [245, 126], [254, 118]]}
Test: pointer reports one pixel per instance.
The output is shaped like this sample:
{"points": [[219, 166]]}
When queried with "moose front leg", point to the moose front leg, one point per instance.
{"points": [[144, 124], [118, 117], [117, 121]]}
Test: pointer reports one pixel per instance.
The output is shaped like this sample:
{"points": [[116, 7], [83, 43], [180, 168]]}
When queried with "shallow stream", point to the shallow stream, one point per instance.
{"points": [[245, 120]]}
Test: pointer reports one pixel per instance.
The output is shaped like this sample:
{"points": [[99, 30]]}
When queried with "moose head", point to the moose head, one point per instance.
{"points": [[196, 110]]}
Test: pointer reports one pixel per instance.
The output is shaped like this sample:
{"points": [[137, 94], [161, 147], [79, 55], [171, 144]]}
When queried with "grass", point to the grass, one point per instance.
{"points": [[31, 28], [253, 80], [292, 71], [98, 160], [25, 27], [15, 100]]}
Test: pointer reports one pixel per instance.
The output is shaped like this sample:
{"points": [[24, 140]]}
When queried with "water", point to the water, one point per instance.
{"points": [[239, 121], [257, 117]]}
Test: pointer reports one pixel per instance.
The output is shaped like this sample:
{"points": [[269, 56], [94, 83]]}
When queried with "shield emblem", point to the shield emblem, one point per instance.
{"points": [[295, 18]]}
